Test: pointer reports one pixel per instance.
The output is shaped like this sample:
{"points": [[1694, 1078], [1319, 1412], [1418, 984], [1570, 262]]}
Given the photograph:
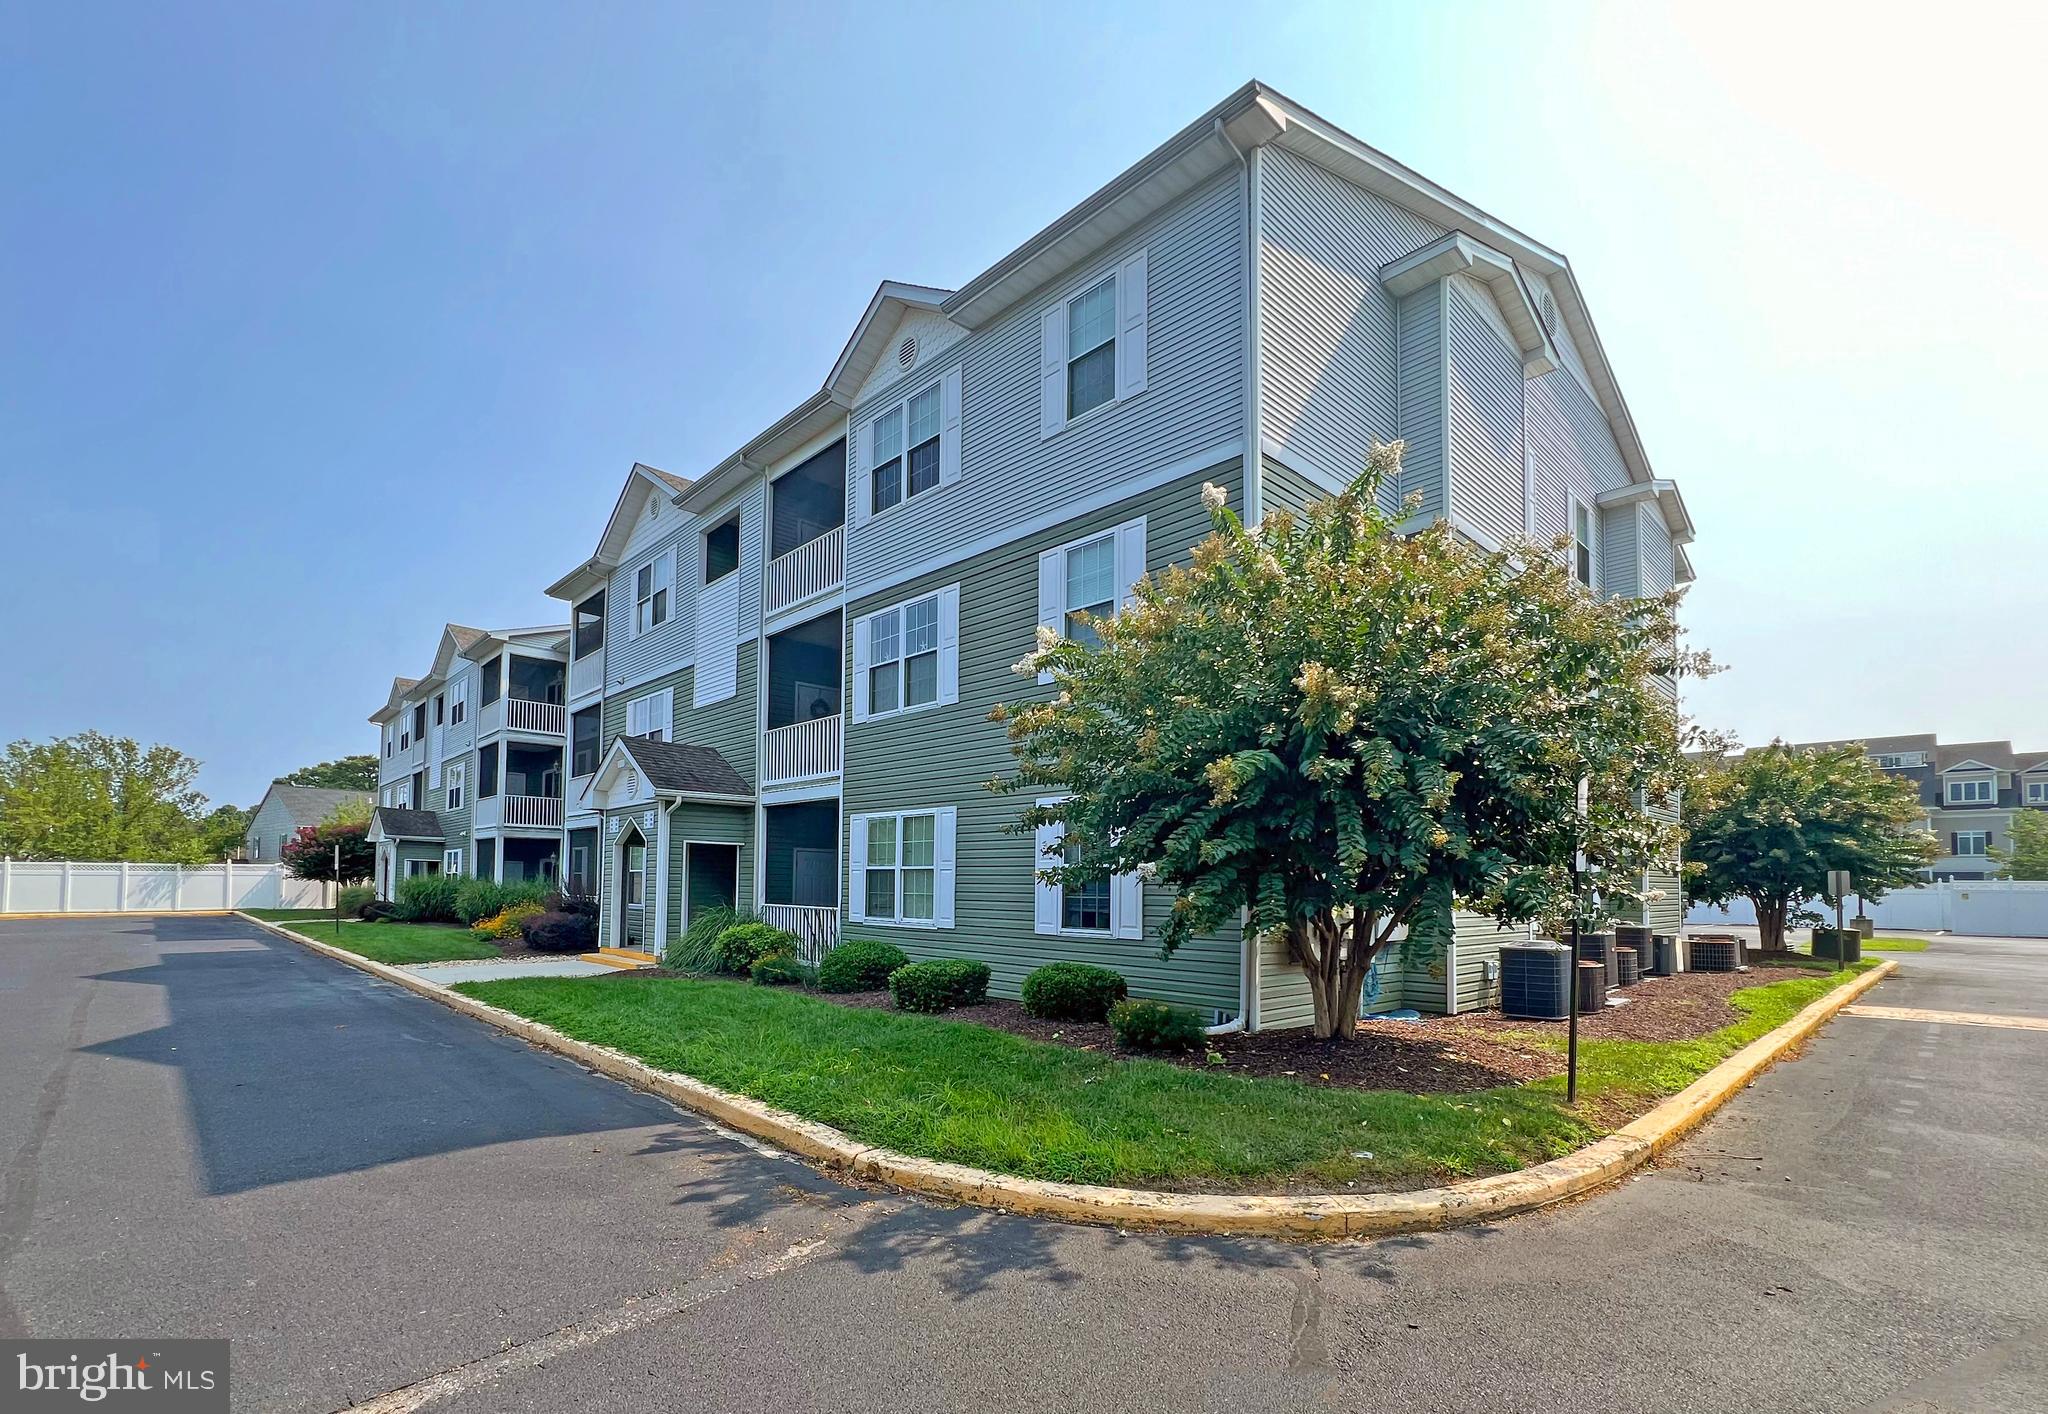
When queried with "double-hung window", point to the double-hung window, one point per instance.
{"points": [[1977, 792], [650, 595], [651, 715], [907, 656], [451, 861], [458, 701], [1091, 348], [1089, 579], [1113, 905], [457, 781], [1092, 345], [913, 446], [1084, 908], [1972, 842], [902, 863]]}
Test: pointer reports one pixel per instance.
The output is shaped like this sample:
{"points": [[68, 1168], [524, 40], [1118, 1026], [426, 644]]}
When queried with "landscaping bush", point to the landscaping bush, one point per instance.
{"points": [[507, 923], [1157, 1026], [583, 905], [744, 944], [377, 911], [478, 899], [427, 898], [352, 899], [780, 969], [695, 950], [560, 932], [937, 985], [859, 966], [1073, 991]]}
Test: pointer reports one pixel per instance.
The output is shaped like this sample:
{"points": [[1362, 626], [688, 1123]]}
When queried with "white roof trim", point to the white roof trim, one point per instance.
{"points": [[1456, 253], [864, 348], [1971, 765], [1676, 518]]}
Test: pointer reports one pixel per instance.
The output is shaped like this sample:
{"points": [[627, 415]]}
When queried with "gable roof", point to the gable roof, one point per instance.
{"points": [[1879, 745], [672, 766], [1984, 755], [870, 337], [2031, 761], [641, 482], [394, 823], [309, 805], [399, 688]]}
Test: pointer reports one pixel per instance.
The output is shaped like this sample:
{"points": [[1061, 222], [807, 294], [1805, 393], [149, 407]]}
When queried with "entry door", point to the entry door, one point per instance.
{"points": [[713, 874]]}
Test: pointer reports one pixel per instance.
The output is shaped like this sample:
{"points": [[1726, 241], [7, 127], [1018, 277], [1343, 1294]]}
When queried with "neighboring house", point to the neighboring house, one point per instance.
{"points": [[780, 672], [285, 809], [1969, 791], [470, 759]]}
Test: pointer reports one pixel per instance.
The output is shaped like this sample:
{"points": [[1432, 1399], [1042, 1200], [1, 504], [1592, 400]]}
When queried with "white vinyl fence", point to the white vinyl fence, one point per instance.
{"points": [[1985, 908], [68, 887]]}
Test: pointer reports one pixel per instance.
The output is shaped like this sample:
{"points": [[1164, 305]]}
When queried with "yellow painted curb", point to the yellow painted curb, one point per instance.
{"points": [[1277, 1215]]}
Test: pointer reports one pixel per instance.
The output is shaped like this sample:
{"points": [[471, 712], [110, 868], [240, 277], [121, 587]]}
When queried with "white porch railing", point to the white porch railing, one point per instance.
{"points": [[816, 929], [801, 751], [533, 811], [548, 717], [586, 674], [811, 568]]}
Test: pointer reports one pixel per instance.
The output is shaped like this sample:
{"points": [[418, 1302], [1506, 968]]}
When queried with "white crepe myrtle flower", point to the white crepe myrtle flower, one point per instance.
{"points": [[1214, 496]]}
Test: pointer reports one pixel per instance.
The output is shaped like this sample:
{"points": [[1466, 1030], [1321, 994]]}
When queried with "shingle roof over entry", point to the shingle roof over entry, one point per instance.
{"points": [[696, 770], [399, 824]]}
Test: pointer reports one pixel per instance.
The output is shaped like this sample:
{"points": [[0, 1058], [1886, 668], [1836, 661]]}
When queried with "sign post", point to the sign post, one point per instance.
{"points": [[337, 891], [1839, 885], [1571, 1047]]}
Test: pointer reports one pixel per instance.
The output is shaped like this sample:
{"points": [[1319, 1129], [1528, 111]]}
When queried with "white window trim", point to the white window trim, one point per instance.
{"points": [[863, 437], [661, 577], [1052, 574], [660, 705], [1956, 791], [458, 701], [457, 780], [949, 656], [1592, 544], [1981, 852], [417, 868], [451, 861], [2037, 792], [945, 866], [1132, 305], [1049, 900]]}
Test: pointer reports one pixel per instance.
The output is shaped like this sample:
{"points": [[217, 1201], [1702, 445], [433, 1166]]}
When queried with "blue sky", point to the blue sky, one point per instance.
{"points": [[320, 326]]}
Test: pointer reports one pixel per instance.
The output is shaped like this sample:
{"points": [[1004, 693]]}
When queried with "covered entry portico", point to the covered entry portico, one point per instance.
{"points": [[677, 829]]}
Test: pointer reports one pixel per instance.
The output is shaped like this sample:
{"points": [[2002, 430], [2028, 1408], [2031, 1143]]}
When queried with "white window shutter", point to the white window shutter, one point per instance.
{"points": [[949, 435], [943, 830], [1052, 370], [1130, 327], [1130, 557], [949, 643], [857, 869], [665, 575], [1052, 593], [856, 454], [1045, 898], [1126, 905], [860, 669]]}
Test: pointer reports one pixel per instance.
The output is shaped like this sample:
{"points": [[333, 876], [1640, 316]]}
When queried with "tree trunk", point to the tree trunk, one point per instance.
{"points": [[1335, 958], [1770, 925]]}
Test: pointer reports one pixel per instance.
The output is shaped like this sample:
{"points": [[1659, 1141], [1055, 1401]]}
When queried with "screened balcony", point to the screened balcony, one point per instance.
{"points": [[802, 741], [524, 694], [807, 530], [800, 849], [519, 786]]}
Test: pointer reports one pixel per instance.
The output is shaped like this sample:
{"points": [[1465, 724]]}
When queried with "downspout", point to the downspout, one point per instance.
{"points": [[1247, 1018]]}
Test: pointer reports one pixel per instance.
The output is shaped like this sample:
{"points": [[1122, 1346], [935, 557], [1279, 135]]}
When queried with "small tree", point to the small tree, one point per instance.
{"points": [[355, 811], [309, 853], [2027, 856], [1346, 731], [1770, 824]]}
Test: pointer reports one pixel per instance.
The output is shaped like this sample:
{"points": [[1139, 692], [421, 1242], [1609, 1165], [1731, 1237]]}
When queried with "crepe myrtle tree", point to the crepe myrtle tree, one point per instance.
{"points": [[1769, 824], [1344, 732], [309, 853]]}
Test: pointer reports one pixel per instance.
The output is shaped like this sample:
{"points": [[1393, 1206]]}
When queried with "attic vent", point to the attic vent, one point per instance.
{"points": [[906, 352], [1548, 309]]}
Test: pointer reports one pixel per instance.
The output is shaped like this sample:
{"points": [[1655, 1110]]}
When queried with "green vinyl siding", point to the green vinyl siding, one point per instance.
{"points": [[944, 756], [706, 824], [415, 849], [728, 727], [1284, 489]]}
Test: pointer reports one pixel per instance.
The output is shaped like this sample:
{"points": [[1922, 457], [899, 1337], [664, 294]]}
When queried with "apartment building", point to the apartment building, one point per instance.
{"points": [[1971, 792], [779, 669], [470, 759]]}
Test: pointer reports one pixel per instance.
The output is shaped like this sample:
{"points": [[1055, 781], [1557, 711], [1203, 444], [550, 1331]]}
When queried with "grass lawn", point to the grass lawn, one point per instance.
{"points": [[395, 943], [1895, 945], [957, 1091]]}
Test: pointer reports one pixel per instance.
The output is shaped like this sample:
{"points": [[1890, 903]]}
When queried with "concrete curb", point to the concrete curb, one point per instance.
{"points": [[1317, 1215]]}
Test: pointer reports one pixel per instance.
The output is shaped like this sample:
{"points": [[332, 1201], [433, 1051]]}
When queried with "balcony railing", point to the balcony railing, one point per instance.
{"points": [[586, 674], [801, 751], [816, 929], [811, 568], [532, 812], [551, 718]]}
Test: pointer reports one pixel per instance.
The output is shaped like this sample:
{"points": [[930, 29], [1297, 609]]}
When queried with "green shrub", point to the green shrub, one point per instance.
{"points": [[560, 932], [744, 944], [859, 966], [780, 969], [1073, 991], [478, 899], [1157, 1026], [696, 949], [426, 898], [352, 899], [937, 985]]}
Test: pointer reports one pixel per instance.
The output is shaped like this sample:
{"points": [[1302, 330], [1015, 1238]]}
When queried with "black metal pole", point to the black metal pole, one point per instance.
{"points": [[1571, 1052]]}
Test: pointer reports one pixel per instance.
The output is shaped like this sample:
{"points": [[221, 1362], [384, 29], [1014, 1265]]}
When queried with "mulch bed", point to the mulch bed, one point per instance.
{"points": [[1659, 1008]]}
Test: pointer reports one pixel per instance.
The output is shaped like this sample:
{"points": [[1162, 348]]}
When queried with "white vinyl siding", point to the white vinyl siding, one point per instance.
{"points": [[1093, 345], [900, 868], [907, 656], [1978, 792], [1071, 579], [652, 715], [1114, 908]]}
